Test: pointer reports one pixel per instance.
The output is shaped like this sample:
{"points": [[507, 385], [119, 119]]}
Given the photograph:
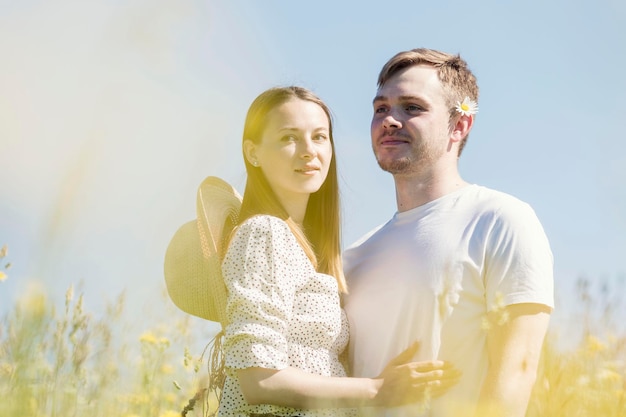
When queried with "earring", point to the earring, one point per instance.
{"points": [[255, 163]]}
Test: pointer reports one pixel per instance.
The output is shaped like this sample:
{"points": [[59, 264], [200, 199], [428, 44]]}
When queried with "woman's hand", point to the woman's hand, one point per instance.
{"points": [[404, 382], [401, 382]]}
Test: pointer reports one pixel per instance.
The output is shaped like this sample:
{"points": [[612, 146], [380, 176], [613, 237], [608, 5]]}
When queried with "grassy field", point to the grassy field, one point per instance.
{"points": [[65, 361]]}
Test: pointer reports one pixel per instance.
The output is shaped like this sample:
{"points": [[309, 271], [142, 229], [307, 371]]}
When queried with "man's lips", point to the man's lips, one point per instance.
{"points": [[392, 140], [390, 137]]}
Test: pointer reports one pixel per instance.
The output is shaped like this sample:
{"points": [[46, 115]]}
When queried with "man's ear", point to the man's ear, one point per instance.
{"points": [[249, 150], [461, 128]]}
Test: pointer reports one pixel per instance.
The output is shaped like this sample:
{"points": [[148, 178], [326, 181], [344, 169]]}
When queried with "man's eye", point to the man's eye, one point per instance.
{"points": [[380, 110], [412, 107]]}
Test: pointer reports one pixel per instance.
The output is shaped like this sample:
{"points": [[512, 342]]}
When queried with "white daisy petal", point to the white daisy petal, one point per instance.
{"points": [[467, 107]]}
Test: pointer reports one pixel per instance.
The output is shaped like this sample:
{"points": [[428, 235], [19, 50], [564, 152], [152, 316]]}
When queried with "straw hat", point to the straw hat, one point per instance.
{"points": [[193, 259]]}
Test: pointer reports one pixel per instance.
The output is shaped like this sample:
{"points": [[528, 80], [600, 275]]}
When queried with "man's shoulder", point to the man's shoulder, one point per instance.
{"points": [[367, 236], [508, 214], [485, 193], [497, 202]]}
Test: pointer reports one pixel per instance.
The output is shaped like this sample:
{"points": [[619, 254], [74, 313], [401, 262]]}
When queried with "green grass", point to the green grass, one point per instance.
{"points": [[65, 361]]}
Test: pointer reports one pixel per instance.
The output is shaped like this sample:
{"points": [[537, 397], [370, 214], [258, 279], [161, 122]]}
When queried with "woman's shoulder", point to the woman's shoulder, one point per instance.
{"points": [[263, 222], [263, 225], [264, 237]]}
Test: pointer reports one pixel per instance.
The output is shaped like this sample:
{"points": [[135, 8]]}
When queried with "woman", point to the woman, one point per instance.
{"points": [[285, 326]]}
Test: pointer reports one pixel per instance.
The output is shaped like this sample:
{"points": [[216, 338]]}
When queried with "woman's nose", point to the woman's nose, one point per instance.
{"points": [[308, 150]]}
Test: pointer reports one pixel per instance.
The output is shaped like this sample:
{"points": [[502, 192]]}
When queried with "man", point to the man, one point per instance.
{"points": [[464, 270]]}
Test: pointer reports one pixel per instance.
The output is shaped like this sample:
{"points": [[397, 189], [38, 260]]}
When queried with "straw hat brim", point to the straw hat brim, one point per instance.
{"points": [[192, 268]]}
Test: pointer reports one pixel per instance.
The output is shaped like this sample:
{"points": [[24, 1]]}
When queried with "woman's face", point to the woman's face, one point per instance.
{"points": [[294, 151]]}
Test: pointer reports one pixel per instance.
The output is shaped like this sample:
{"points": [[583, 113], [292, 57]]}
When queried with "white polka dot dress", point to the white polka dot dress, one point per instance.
{"points": [[280, 312]]}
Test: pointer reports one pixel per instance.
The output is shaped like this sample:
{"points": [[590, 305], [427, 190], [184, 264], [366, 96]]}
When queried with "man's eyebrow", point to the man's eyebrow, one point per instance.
{"points": [[401, 98], [379, 98]]}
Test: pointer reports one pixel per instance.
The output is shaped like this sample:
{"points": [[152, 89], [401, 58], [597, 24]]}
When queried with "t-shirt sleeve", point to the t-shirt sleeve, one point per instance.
{"points": [[261, 286], [519, 259]]}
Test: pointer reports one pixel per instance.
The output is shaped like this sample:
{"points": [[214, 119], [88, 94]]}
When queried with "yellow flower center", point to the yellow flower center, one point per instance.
{"points": [[465, 106]]}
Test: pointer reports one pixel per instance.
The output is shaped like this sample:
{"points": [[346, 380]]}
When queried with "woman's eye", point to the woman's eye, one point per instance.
{"points": [[320, 137], [288, 138]]}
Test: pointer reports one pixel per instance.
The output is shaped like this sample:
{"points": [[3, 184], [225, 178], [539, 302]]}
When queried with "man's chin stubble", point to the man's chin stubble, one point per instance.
{"points": [[397, 166]]}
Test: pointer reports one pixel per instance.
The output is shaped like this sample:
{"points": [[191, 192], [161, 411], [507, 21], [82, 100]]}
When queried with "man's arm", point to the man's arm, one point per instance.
{"points": [[514, 344]]}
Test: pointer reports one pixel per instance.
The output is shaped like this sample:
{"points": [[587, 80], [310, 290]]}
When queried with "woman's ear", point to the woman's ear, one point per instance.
{"points": [[249, 150]]}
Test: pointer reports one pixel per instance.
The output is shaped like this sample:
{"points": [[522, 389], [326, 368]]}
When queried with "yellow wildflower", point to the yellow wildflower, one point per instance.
{"points": [[595, 345], [34, 302], [164, 341], [167, 369], [485, 324], [3, 276], [139, 399], [148, 338], [497, 314]]}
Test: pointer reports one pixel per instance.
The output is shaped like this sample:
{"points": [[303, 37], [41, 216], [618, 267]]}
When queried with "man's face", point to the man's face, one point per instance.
{"points": [[410, 126]]}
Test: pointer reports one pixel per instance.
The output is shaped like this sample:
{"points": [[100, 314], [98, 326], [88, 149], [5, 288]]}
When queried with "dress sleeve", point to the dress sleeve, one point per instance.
{"points": [[261, 283], [519, 259]]}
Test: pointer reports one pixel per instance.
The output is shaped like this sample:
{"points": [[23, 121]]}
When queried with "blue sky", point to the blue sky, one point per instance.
{"points": [[112, 113]]}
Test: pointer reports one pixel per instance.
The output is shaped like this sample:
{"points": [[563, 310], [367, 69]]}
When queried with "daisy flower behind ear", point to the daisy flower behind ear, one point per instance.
{"points": [[467, 107]]}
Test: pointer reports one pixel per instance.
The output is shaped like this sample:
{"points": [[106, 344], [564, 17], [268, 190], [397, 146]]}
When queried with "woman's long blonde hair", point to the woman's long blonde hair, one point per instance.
{"points": [[320, 234]]}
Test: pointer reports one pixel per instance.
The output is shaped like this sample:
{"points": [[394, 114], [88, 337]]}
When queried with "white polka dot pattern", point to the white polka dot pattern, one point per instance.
{"points": [[280, 311]]}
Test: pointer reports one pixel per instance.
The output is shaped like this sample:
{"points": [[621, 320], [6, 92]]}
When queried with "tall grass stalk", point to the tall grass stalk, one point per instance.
{"points": [[64, 361]]}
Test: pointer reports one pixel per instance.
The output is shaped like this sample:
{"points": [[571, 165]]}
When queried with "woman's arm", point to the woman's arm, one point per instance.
{"points": [[400, 383]]}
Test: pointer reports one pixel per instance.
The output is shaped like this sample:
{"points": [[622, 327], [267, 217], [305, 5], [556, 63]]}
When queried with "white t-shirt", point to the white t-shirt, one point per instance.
{"points": [[432, 274]]}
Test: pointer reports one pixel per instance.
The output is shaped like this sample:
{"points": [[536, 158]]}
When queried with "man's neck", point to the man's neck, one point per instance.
{"points": [[416, 190]]}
